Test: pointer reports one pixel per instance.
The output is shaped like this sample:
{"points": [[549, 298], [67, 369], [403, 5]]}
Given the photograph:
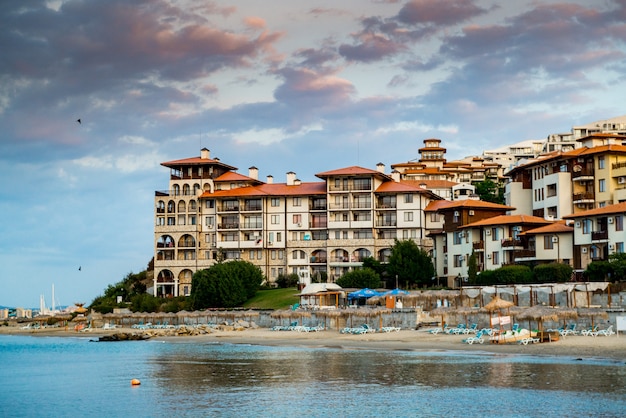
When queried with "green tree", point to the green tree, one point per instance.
{"points": [[598, 271], [289, 280], [410, 264], [618, 266], [472, 268], [361, 278], [489, 191], [225, 285], [372, 263], [514, 274]]}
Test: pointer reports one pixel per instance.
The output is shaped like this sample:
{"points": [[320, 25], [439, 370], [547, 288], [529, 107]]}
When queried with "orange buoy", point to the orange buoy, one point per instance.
{"points": [[135, 382]]}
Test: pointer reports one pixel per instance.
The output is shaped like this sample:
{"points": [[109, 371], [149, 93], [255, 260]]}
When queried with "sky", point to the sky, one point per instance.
{"points": [[302, 86]]}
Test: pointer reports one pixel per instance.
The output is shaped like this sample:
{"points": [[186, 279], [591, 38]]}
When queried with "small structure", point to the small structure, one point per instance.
{"points": [[321, 295]]}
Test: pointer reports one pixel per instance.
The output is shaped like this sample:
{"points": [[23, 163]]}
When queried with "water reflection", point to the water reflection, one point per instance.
{"points": [[200, 368]]}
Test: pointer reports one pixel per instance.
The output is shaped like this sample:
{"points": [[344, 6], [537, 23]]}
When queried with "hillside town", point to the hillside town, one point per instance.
{"points": [[564, 201]]}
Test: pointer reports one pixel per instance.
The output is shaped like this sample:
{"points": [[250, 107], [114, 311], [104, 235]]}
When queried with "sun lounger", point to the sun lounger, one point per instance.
{"points": [[526, 341], [589, 332], [604, 332], [390, 329], [478, 338]]}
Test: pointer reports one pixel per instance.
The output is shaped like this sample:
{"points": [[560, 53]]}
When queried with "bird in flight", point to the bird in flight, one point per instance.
{"points": [[79, 122], [80, 268]]}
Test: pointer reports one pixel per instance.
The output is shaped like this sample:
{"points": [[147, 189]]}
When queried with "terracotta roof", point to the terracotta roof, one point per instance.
{"points": [[432, 184], [435, 205], [234, 176], [508, 220], [604, 148], [553, 228], [607, 210], [278, 189], [403, 186], [196, 161], [351, 171], [475, 204]]}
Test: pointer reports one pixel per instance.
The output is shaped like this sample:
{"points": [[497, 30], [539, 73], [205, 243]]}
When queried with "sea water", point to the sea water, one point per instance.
{"points": [[75, 377]]}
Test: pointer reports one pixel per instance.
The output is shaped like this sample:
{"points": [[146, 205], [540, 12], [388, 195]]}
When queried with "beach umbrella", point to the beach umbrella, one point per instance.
{"points": [[497, 304], [363, 294], [592, 313], [539, 314], [442, 311]]}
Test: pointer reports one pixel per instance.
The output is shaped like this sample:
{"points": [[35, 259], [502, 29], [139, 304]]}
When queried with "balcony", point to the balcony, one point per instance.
{"points": [[478, 246], [386, 223], [586, 197], [510, 242], [600, 236], [525, 254], [227, 208], [228, 226], [582, 174]]}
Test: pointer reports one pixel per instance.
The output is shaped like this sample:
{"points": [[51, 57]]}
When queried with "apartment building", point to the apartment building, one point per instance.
{"points": [[598, 233], [562, 183], [433, 166], [315, 229]]}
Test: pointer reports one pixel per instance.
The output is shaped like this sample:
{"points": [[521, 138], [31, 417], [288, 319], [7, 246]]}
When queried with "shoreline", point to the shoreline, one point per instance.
{"points": [[576, 346]]}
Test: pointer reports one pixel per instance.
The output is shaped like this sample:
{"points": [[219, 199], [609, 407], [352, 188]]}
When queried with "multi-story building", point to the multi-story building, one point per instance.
{"points": [[598, 233], [432, 166], [558, 184], [325, 229]]}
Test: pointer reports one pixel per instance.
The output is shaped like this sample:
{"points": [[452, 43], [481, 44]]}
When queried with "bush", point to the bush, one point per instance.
{"points": [[514, 274], [553, 272], [289, 280], [486, 278]]}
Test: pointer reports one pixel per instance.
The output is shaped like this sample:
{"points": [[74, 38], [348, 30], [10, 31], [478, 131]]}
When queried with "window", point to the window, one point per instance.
{"points": [[434, 217], [619, 247], [408, 216], [494, 234], [495, 257], [457, 238], [551, 190], [547, 242], [408, 198], [275, 202], [279, 236], [252, 255], [601, 162], [275, 219], [458, 261], [281, 254], [405, 234], [362, 234], [586, 226], [602, 185], [619, 223], [297, 201], [270, 237], [209, 221], [273, 254], [362, 184], [297, 219], [455, 218]]}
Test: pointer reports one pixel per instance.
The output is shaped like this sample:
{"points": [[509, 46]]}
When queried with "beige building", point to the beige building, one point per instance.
{"points": [[314, 229]]}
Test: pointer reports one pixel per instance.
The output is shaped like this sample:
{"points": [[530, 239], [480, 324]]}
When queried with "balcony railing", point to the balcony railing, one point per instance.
{"points": [[525, 254], [511, 243], [599, 235], [480, 245], [583, 196], [228, 226]]}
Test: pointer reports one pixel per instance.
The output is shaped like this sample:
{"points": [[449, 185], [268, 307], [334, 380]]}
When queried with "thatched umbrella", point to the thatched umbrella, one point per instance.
{"points": [[497, 304], [442, 311], [593, 313], [538, 313], [329, 313]]}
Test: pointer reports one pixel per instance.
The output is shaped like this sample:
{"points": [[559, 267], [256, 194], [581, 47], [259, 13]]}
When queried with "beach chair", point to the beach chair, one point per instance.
{"points": [[589, 331], [478, 338], [604, 332], [527, 340], [390, 329], [473, 329]]}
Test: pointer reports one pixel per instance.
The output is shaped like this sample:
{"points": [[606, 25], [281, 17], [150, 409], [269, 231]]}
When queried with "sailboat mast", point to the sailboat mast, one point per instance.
{"points": [[53, 298]]}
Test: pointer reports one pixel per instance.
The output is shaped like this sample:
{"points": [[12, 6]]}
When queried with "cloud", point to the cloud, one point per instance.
{"points": [[438, 13]]}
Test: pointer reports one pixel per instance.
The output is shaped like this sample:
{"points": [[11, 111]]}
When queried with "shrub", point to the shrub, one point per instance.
{"points": [[553, 272]]}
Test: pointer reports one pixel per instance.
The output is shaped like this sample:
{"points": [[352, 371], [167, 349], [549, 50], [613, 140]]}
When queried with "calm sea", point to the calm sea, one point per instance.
{"points": [[73, 377]]}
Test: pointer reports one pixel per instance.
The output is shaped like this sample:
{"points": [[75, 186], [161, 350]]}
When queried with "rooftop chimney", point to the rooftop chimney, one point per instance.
{"points": [[253, 173], [291, 177], [380, 167], [395, 175], [270, 179], [297, 182], [205, 154]]}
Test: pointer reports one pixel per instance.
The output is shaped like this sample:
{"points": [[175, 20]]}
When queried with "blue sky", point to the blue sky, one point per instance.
{"points": [[303, 86]]}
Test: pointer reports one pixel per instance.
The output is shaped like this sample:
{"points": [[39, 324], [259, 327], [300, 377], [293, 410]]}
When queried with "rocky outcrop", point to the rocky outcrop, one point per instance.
{"points": [[124, 336]]}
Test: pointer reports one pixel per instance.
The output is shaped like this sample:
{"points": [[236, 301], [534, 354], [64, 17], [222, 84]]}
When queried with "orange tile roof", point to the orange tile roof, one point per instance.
{"points": [[553, 228], [196, 161], [432, 184], [278, 189], [475, 204], [351, 171], [435, 205], [234, 176], [403, 186], [607, 210], [508, 220]]}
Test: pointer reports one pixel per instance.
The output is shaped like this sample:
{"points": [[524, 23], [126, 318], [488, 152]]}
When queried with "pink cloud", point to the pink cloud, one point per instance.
{"points": [[254, 22], [447, 12]]}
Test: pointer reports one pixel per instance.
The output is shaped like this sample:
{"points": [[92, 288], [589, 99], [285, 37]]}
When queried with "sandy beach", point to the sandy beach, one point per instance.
{"points": [[575, 346]]}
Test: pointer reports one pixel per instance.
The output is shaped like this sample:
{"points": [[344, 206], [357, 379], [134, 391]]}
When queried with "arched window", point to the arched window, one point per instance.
{"points": [[182, 206]]}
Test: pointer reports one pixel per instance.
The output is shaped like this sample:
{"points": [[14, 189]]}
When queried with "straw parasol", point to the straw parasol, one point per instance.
{"points": [[497, 304], [593, 313], [538, 313]]}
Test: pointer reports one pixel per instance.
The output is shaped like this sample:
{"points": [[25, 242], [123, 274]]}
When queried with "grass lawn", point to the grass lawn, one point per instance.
{"points": [[273, 299]]}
